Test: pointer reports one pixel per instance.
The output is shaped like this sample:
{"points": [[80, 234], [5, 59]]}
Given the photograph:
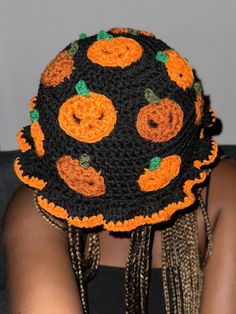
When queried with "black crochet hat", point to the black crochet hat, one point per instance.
{"points": [[118, 132]]}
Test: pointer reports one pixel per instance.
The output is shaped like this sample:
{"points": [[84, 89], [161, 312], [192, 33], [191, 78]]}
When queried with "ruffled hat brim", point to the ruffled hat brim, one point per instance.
{"points": [[120, 214]]}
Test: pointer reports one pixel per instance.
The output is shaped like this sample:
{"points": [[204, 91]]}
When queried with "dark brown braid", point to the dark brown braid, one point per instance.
{"points": [[208, 228], [137, 270], [182, 270], [145, 267], [91, 262], [76, 246]]}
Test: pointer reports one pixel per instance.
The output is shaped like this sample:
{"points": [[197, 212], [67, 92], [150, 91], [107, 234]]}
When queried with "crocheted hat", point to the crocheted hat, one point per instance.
{"points": [[118, 132]]}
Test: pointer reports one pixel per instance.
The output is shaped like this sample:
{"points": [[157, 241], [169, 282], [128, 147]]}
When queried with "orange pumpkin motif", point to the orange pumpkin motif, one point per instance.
{"points": [[86, 181], [113, 52], [160, 120], [177, 67], [87, 117], [160, 174], [60, 67]]}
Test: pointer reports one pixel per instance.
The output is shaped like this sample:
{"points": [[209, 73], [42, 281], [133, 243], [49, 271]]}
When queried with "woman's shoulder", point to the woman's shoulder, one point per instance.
{"points": [[219, 274], [222, 196], [223, 182], [21, 215]]}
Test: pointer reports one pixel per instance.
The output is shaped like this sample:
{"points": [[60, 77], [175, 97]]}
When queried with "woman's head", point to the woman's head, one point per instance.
{"points": [[120, 138]]}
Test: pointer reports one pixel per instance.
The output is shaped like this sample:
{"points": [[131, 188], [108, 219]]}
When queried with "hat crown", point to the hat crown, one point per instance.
{"points": [[119, 116]]}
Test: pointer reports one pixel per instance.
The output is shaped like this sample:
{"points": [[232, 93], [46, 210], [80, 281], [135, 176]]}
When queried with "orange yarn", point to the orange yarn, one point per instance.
{"points": [[123, 30], [198, 109], [201, 136], [61, 212], [86, 222], [149, 34], [119, 51], [32, 103], [198, 164], [213, 117], [162, 215], [87, 182], [21, 141], [58, 69], [51, 208], [96, 115], [131, 224], [118, 30], [159, 122], [178, 69], [31, 181], [160, 177], [38, 137]]}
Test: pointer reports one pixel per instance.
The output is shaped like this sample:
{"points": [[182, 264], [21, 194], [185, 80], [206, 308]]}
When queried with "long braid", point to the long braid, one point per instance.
{"points": [[80, 258], [208, 228], [132, 296], [137, 270], [165, 274], [179, 261], [166, 236], [181, 268], [76, 247], [182, 271], [145, 261], [91, 262]]}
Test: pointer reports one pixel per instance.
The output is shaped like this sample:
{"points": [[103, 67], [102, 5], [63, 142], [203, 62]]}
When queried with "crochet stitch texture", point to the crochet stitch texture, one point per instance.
{"points": [[117, 133]]}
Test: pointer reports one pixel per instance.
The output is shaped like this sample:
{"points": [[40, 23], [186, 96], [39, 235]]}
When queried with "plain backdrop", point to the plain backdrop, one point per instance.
{"points": [[32, 32]]}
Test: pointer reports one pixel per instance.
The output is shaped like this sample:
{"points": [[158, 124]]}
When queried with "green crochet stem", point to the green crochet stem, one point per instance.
{"points": [[133, 31], [154, 163], [82, 89], [84, 160], [34, 115], [150, 96], [73, 49], [198, 87], [162, 57], [104, 35], [82, 36]]}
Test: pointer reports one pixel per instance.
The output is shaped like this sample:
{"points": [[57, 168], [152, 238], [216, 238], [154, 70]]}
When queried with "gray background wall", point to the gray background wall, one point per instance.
{"points": [[32, 32]]}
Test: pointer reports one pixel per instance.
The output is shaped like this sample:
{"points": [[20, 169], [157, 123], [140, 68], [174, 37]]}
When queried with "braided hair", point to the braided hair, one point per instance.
{"points": [[182, 266]]}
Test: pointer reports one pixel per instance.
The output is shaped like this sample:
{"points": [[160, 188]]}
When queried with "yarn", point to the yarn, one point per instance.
{"points": [[117, 136]]}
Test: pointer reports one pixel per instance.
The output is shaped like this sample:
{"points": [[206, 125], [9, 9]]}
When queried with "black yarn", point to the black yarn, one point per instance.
{"points": [[123, 155]]}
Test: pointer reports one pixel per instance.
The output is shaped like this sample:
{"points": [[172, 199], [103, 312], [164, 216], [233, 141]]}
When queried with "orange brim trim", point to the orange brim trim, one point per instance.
{"points": [[213, 114], [32, 102], [198, 164], [38, 136], [21, 141], [31, 181], [128, 225], [51, 208]]}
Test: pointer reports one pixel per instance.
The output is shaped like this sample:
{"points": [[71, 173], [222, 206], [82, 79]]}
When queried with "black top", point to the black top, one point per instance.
{"points": [[106, 293]]}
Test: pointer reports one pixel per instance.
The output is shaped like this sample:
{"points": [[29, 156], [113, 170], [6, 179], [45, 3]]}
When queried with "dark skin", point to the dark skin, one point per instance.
{"points": [[40, 277]]}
